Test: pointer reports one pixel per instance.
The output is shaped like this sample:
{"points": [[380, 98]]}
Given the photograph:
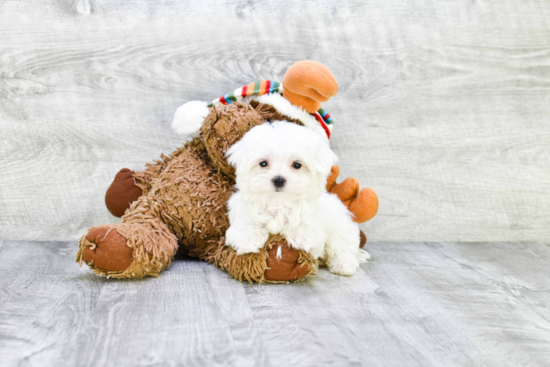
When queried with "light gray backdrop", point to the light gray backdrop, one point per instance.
{"points": [[444, 106]]}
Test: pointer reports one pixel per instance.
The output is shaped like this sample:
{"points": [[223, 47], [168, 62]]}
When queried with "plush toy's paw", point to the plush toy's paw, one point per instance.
{"points": [[127, 250], [283, 265], [107, 250], [362, 203], [122, 193], [276, 261], [188, 118]]}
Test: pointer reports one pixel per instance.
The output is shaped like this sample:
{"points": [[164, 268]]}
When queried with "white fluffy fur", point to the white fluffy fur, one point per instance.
{"points": [[188, 118], [286, 108], [310, 218]]}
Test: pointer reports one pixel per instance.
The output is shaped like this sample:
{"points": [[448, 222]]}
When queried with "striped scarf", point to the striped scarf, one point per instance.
{"points": [[261, 87]]}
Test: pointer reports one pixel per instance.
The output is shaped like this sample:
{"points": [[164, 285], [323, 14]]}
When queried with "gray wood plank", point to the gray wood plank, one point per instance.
{"points": [[414, 304], [470, 291], [443, 107], [52, 313]]}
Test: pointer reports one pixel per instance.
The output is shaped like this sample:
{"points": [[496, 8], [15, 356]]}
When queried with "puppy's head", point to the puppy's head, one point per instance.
{"points": [[283, 160]]}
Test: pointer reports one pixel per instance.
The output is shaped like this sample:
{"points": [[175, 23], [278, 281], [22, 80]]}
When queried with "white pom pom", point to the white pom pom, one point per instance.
{"points": [[189, 117]]}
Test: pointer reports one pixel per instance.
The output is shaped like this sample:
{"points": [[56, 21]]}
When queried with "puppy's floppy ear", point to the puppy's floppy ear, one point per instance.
{"points": [[240, 153], [324, 158], [236, 153]]}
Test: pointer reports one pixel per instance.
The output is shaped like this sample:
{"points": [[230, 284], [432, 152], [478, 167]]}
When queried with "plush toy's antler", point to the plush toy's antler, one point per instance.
{"points": [[308, 83]]}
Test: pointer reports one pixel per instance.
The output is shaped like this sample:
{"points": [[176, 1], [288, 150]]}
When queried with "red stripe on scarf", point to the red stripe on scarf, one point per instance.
{"points": [[322, 123]]}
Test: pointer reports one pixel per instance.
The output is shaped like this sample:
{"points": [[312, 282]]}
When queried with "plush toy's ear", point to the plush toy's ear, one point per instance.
{"points": [[188, 118]]}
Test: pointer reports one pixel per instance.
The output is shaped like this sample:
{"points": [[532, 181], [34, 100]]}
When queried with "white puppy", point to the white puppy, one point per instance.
{"points": [[282, 170]]}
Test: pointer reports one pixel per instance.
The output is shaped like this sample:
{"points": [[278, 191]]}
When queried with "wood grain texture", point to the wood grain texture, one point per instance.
{"points": [[52, 313], [418, 304], [414, 304], [443, 108]]}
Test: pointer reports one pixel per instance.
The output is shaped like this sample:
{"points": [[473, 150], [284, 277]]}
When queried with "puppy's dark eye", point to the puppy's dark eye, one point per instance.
{"points": [[263, 164], [296, 165]]}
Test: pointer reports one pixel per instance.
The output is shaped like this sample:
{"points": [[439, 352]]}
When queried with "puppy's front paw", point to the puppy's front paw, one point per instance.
{"points": [[363, 256], [245, 241], [299, 242], [253, 243], [344, 264]]}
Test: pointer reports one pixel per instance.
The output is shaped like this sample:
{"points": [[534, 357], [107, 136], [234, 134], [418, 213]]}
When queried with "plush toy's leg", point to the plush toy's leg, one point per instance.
{"points": [[129, 185], [139, 246], [275, 263]]}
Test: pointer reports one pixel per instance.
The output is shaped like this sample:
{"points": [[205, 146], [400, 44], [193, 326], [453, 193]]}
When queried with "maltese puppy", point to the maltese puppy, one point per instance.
{"points": [[282, 170]]}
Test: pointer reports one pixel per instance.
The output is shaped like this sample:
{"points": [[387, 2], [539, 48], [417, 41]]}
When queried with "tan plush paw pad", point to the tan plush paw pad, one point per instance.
{"points": [[282, 264], [122, 193], [363, 239], [110, 253]]}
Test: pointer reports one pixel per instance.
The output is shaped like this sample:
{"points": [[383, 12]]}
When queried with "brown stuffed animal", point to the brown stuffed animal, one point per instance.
{"points": [[178, 204]]}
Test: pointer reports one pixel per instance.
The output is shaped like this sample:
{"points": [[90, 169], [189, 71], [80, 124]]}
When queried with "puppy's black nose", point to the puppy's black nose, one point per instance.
{"points": [[279, 182]]}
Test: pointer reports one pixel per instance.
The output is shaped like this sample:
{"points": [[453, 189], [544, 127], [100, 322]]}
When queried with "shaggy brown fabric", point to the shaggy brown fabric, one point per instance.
{"points": [[194, 195], [223, 128], [122, 193], [185, 201], [152, 242], [143, 179], [152, 249], [269, 113]]}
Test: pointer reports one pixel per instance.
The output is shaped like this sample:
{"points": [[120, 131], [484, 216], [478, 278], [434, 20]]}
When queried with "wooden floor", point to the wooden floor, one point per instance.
{"points": [[414, 304]]}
